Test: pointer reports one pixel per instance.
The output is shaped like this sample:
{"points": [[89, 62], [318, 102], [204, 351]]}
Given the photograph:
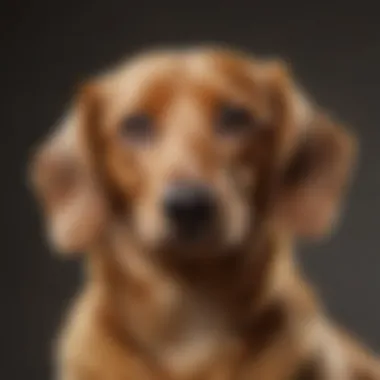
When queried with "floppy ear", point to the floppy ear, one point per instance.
{"points": [[317, 171], [65, 186]]}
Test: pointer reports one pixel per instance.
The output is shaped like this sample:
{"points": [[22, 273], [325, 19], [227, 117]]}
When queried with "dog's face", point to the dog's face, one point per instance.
{"points": [[190, 151], [183, 141]]}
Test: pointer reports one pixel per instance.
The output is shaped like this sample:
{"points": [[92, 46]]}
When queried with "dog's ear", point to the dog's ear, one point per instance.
{"points": [[317, 168], [64, 183]]}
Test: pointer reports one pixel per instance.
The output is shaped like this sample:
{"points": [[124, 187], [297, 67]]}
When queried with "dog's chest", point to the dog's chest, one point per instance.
{"points": [[200, 343], [195, 342]]}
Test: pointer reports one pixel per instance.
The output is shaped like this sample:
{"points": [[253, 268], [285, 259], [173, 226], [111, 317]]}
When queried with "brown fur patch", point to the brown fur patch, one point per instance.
{"points": [[309, 370]]}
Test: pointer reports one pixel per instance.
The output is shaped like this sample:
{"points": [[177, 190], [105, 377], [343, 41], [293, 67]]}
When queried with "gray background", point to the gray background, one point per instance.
{"points": [[48, 47]]}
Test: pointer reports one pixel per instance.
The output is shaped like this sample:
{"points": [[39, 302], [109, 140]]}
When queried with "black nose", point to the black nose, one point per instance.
{"points": [[189, 207]]}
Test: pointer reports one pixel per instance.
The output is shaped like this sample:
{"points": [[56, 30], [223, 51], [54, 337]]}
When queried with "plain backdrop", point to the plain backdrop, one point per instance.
{"points": [[48, 47]]}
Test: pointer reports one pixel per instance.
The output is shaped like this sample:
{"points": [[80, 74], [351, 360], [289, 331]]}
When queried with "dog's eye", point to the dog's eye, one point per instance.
{"points": [[137, 128], [234, 120]]}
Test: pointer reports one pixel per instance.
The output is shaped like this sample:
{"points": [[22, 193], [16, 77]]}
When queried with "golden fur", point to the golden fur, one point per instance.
{"points": [[235, 305]]}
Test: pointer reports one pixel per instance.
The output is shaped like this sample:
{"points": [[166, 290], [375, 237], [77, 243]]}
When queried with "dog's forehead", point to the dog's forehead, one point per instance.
{"points": [[161, 74], [190, 63], [204, 66]]}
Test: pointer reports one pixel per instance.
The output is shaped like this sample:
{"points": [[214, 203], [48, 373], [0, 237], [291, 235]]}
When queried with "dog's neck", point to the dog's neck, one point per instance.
{"points": [[162, 306]]}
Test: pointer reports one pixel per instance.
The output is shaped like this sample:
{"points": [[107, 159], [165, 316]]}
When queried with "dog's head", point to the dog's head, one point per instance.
{"points": [[191, 150]]}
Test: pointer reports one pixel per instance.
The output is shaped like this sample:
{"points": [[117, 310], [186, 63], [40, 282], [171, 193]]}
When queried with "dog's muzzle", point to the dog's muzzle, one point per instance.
{"points": [[190, 209]]}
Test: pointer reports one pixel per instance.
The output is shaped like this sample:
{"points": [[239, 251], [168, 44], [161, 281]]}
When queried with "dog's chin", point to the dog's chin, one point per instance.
{"points": [[204, 247], [209, 244]]}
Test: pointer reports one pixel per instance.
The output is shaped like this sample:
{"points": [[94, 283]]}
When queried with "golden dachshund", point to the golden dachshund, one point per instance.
{"points": [[186, 177]]}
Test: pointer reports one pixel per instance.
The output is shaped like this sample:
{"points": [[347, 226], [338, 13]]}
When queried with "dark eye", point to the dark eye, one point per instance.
{"points": [[137, 128], [234, 120]]}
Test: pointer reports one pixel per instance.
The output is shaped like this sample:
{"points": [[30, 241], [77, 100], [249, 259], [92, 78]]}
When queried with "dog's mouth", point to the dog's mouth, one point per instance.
{"points": [[200, 242], [195, 240]]}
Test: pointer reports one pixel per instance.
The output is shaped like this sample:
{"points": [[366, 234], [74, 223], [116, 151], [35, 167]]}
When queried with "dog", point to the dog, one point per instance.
{"points": [[186, 176]]}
